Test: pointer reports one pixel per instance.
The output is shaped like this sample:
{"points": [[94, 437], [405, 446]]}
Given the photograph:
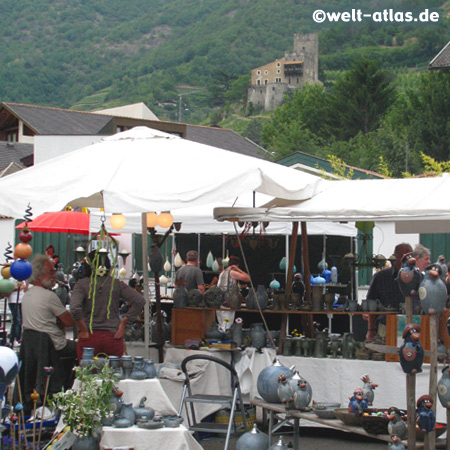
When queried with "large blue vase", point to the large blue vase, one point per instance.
{"points": [[267, 383]]}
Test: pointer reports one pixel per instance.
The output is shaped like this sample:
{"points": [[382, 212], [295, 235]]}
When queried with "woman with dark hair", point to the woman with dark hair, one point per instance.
{"points": [[50, 252]]}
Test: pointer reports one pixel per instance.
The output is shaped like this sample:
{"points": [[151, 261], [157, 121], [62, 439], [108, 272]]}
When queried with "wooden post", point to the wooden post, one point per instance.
{"points": [[447, 442], [307, 320], [410, 388], [430, 439], [290, 274]]}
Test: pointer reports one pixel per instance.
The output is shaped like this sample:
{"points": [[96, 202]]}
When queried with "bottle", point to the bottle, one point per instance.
{"points": [[334, 275]]}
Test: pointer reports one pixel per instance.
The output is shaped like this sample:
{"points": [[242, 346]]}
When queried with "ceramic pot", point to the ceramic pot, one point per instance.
{"points": [[348, 346], [253, 440], [172, 421], [86, 443], [321, 345], [235, 297], [267, 383], [180, 297], [317, 298], [214, 333], [287, 346], [194, 297], [141, 411], [372, 304], [258, 335], [214, 297], [364, 305], [149, 368], [297, 346], [252, 301], [88, 357], [122, 423], [444, 388], [236, 334]]}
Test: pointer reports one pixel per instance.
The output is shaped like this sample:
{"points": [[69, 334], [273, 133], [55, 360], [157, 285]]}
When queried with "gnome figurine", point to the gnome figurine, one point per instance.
{"points": [[425, 417], [432, 291], [411, 352], [357, 401], [409, 276]]}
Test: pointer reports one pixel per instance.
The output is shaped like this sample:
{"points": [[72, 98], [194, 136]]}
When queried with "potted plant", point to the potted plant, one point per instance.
{"points": [[83, 407]]}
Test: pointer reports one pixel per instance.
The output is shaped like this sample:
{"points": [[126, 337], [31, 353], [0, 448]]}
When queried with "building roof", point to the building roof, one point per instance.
{"points": [[225, 139], [319, 166], [45, 120], [14, 153], [441, 60]]}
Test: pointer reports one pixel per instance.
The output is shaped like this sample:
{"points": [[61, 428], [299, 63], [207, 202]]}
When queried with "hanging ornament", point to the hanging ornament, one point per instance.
{"points": [[7, 286], [22, 250], [178, 261], [274, 284], [167, 265], [226, 260], [163, 280], [209, 260], [215, 266], [122, 272], [21, 270], [283, 263], [25, 235]]}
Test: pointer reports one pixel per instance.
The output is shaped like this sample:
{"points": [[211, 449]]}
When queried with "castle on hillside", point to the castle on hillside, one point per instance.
{"points": [[270, 82]]}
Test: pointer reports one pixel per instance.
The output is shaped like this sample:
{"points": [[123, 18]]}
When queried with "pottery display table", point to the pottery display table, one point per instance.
{"points": [[139, 439], [334, 380]]}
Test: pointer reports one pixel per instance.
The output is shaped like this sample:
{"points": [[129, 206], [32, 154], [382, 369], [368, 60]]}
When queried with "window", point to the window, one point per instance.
{"points": [[278, 71], [258, 72], [278, 64], [277, 80], [265, 81], [266, 72]]}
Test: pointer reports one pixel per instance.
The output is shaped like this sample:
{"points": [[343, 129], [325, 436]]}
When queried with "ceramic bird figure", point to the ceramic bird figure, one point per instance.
{"points": [[432, 291], [285, 391], [443, 266], [411, 352], [368, 389], [409, 276], [443, 388], [396, 425], [302, 396], [357, 402], [396, 443], [425, 417]]}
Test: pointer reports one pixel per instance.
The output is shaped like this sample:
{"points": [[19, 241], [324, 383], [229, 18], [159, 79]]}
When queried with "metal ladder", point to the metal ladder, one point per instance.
{"points": [[234, 400]]}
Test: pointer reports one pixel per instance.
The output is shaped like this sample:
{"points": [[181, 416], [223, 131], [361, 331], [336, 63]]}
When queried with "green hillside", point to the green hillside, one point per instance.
{"points": [[92, 54]]}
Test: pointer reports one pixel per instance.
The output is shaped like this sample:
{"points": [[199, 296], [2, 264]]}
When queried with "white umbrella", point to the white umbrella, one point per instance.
{"points": [[144, 170]]}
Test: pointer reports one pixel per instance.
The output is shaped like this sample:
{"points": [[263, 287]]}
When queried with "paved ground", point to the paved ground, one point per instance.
{"points": [[312, 439]]}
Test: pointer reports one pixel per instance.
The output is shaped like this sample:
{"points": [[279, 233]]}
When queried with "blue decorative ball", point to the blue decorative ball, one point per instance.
{"points": [[21, 270]]}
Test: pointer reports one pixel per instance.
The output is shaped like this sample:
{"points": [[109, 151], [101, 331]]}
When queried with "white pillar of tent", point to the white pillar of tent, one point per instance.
{"points": [[145, 286]]}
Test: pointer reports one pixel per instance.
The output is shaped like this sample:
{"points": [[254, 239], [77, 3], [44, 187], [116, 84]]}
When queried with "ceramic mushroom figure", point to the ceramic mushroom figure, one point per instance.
{"points": [[396, 443], [396, 426], [409, 276], [443, 388], [432, 291], [411, 352], [357, 402], [368, 389], [425, 417]]}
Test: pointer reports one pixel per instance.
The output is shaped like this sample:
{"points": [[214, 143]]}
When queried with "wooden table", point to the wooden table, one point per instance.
{"points": [[292, 415]]}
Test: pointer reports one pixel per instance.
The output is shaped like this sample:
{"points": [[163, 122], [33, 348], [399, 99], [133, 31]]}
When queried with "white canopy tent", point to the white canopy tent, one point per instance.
{"points": [[414, 204], [143, 170]]}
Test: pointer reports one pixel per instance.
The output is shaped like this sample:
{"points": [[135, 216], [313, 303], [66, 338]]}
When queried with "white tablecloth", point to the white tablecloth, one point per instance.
{"points": [[164, 438], [214, 380], [334, 380]]}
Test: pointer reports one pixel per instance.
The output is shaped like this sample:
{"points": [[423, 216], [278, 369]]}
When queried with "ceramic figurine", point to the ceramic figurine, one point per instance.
{"points": [[180, 296], [443, 266], [411, 352], [302, 395], [409, 276], [285, 391], [441, 351], [253, 440], [368, 389], [267, 383], [443, 388], [348, 346], [432, 291], [396, 425], [396, 443], [426, 419], [357, 402], [258, 335]]}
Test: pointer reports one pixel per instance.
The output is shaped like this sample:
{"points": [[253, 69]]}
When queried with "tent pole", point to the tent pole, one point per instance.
{"points": [[145, 286]]}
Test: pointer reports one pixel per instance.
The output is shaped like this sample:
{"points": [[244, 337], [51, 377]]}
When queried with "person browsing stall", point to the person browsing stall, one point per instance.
{"points": [[97, 316], [191, 273]]}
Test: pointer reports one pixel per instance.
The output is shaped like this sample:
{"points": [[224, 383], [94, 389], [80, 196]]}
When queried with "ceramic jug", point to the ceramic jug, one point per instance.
{"points": [[235, 297], [126, 361], [252, 301], [236, 334], [258, 335], [321, 344], [348, 346], [287, 346], [127, 412], [149, 368]]}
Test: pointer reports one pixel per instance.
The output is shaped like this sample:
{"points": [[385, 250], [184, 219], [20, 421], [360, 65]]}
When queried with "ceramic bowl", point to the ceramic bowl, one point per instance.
{"points": [[348, 418], [151, 424], [172, 421], [325, 410], [122, 423]]}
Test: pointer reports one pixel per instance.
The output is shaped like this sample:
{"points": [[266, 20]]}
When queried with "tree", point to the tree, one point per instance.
{"points": [[360, 98]]}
